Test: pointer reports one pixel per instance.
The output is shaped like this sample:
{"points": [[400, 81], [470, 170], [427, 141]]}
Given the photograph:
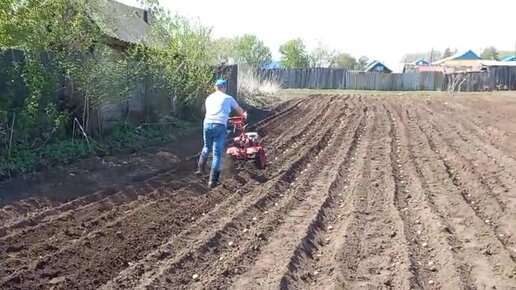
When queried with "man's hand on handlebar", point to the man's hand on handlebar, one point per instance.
{"points": [[244, 115]]}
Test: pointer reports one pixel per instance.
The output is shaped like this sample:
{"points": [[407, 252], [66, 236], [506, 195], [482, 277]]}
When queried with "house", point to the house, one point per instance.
{"points": [[420, 61], [510, 58], [271, 64], [462, 61], [122, 25], [468, 55], [376, 66]]}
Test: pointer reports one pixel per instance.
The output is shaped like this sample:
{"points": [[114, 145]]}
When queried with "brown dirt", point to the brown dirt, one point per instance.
{"points": [[362, 191]]}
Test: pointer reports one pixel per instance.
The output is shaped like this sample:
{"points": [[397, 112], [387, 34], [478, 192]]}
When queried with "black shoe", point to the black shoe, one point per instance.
{"points": [[214, 179], [201, 166]]}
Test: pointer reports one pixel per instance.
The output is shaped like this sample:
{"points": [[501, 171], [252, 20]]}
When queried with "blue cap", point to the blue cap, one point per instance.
{"points": [[221, 83]]}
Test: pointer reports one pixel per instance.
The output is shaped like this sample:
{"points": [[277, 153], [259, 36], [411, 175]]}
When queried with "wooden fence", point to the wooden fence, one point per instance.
{"points": [[147, 102], [306, 78], [493, 78], [393, 81]]}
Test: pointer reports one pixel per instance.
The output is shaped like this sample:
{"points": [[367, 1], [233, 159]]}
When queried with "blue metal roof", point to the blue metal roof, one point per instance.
{"points": [[510, 58], [420, 61], [376, 66], [466, 55]]}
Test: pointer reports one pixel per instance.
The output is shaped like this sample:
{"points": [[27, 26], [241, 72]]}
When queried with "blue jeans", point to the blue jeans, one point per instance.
{"points": [[214, 135]]}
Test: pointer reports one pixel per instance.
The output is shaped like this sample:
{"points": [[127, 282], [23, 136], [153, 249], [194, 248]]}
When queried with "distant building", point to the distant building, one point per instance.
{"points": [[510, 58], [461, 61], [271, 64], [122, 25], [461, 55], [420, 61], [376, 66]]}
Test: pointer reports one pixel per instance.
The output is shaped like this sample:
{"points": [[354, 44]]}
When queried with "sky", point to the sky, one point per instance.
{"points": [[379, 29]]}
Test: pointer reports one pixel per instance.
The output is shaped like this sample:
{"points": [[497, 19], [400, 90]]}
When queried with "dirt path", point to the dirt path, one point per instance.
{"points": [[361, 192]]}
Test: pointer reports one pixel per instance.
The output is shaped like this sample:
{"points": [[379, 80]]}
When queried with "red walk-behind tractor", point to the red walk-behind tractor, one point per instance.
{"points": [[246, 147]]}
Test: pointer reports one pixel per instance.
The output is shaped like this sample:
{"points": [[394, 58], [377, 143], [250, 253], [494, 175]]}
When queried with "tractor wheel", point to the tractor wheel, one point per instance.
{"points": [[259, 160]]}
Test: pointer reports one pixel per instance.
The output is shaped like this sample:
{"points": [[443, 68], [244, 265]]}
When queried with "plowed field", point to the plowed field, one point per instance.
{"points": [[361, 192]]}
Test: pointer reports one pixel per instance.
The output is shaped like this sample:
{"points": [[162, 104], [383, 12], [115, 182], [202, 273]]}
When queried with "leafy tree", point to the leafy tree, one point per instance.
{"points": [[363, 61], [490, 53], [293, 54], [345, 60], [224, 50], [68, 35], [322, 56], [251, 50]]}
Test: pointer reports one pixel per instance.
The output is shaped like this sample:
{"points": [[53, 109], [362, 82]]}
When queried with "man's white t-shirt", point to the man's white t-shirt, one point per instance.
{"points": [[218, 107]]}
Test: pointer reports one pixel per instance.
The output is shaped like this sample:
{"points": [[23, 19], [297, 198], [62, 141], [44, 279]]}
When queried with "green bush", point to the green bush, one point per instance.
{"points": [[65, 152], [123, 136], [21, 160]]}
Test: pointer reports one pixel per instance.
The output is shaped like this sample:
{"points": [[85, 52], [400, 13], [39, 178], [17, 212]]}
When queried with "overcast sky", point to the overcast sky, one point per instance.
{"points": [[380, 29]]}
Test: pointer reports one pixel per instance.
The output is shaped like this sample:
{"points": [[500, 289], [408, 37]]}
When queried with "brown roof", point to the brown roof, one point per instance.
{"points": [[429, 68], [120, 21]]}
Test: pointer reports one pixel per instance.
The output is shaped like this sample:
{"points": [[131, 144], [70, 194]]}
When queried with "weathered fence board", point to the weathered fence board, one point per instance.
{"points": [[495, 78], [309, 78]]}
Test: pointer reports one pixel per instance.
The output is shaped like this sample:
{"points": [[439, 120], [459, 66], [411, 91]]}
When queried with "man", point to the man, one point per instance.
{"points": [[218, 107]]}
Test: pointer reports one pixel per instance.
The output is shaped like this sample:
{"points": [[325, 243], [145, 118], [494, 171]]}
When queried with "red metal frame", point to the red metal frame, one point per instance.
{"points": [[242, 149]]}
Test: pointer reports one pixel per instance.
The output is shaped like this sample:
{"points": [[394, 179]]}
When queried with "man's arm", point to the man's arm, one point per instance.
{"points": [[237, 108]]}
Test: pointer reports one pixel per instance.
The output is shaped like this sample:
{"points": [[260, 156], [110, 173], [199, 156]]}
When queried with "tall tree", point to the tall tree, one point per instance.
{"points": [[251, 50], [362, 63], [322, 56], [447, 53], [223, 50], [490, 53], [293, 54], [345, 60]]}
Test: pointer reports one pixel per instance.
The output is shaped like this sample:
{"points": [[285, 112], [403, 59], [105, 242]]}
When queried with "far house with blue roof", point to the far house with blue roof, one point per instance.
{"points": [[510, 58], [376, 66]]}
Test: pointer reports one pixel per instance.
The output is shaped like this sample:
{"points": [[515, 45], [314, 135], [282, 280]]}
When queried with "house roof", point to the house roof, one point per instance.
{"points": [[271, 64], [420, 60], [510, 58], [462, 55], [120, 21], [430, 68], [374, 64]]}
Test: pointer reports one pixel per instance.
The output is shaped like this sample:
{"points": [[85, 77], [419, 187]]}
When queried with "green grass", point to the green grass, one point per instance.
{"points": [[120, 138]]}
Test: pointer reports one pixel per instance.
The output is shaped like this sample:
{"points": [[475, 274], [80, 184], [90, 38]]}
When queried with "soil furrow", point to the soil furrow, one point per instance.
{"points": [[485, 154], [277, 254], [488, 207], [427, 232], [480, 248], [369, 255], [418, 256], [361, 191], [474, 126], [80, 221], [312, 261], [90, 201], [273, 192]]}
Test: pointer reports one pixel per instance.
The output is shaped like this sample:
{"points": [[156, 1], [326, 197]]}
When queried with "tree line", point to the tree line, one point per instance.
{"points": [[251, 50]]}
